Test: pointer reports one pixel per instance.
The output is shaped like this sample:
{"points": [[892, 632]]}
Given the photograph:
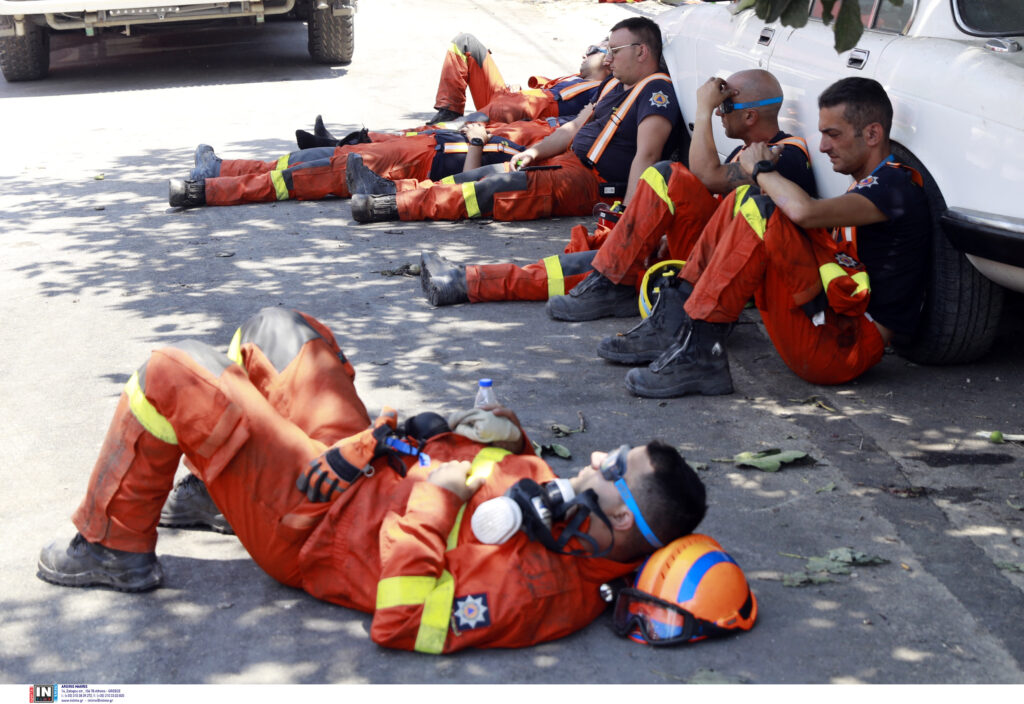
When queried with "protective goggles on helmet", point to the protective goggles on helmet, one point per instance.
{"points": [[656, 621], [613, 468], [728, 106]]}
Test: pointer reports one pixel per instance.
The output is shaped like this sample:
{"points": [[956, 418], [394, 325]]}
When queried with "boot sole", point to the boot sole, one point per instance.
{"points": [[633, 359], [130, 581], [626, 309], [217, 524], [690, 389]]}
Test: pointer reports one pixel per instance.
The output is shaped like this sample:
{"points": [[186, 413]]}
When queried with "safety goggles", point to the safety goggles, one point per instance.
{"points": [[640, 615], [728, 106], [595, 49], [613, 468]]}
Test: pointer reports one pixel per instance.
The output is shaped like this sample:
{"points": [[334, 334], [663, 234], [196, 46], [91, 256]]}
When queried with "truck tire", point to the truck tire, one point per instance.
{"points": [[331, 38], [962, 308], [25, 58]]}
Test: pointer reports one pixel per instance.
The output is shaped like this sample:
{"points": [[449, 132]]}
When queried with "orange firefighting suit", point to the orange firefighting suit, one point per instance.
{"points": [[811, 292], [313, 174], [400, 548]]}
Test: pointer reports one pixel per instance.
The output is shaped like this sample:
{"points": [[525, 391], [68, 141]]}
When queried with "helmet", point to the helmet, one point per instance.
{"points": [[687, 591], [654, 279]]}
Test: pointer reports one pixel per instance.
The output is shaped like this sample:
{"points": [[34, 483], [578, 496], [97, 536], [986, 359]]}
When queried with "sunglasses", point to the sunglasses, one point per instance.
{"points": [[728, 106], [613, 468], [594, 49]]}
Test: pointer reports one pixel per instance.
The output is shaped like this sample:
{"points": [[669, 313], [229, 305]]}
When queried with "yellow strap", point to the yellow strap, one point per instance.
{"points": [[469, 195], [235, 348], [657, 183], [150, 418], [556, 279], [747, 207], [280, 188], [830, 271]]}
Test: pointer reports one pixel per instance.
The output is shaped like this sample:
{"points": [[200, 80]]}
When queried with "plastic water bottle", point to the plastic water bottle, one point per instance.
{"points": [[485, 394]]}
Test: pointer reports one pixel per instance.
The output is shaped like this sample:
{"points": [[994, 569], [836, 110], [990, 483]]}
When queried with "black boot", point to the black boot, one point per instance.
{"points": [[443, 115], [305, 140], [696, 364], [85, 564], [186, 194], [594, 297], [358, 137], [444, 283], [370, 208], [189, 506], [645, 342], [207, 163], [360, 179], [319, 130]]}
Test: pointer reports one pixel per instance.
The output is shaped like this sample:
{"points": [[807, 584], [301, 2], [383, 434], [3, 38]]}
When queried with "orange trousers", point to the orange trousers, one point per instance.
{"points": [[570, 189], [468, 64], [736, 258], [250, 181], [247, 426]]}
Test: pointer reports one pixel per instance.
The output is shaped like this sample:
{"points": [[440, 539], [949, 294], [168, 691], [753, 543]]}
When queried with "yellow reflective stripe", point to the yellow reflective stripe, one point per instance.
{"points": [[751, 213], [412, 134], [282, 163], [469, 195], [483, 464], [437, 615], [456, 148], [830, 271], [458, 51], [235, 348], [656, 181], [280, 188], [150, 418], [403, 591], [448, 180], [556, 279], [863, 284]]}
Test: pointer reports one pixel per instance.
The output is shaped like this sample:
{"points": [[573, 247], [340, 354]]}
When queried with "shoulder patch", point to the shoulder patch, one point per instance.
{"points": [[867, 182], [660, 100], [846, 260], [471, 611]]}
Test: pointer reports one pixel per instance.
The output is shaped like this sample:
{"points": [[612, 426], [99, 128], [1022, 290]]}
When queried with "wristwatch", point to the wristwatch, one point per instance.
{"points": [[476, 142], [761, 167]]}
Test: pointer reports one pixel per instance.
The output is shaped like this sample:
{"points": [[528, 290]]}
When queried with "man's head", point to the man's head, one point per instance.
{"points": [[595, 62], [634, 49], [660, 495], [854, 118], [742, 117]]}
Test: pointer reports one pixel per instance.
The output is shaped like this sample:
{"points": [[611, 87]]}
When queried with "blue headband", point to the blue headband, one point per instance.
{"points": [[641, 523]]}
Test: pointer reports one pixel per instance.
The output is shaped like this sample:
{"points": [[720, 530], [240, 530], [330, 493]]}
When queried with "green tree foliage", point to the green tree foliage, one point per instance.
{"points": [[845, 19]]}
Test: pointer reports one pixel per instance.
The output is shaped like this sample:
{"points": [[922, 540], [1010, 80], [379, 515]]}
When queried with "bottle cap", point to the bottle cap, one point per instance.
{"points": [[486, 383], [496, 520]]}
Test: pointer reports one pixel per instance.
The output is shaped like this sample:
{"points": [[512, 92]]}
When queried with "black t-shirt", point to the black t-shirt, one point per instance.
{"points": [[793, 164], [656, 98], [896, 251]]}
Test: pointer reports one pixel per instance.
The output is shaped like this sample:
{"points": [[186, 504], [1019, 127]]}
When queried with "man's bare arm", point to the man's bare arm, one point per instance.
{"points": [[651, 136]]}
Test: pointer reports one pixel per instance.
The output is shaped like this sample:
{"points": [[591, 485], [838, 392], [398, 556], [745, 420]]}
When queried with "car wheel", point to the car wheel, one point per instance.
{"points": [[25, 58], [962, 308], [331, 37]]}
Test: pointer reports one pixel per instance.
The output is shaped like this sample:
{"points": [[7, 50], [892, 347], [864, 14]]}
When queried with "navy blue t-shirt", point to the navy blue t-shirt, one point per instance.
{"points": [[792, 163], [656, 98], [568, 107], [896, 251]]}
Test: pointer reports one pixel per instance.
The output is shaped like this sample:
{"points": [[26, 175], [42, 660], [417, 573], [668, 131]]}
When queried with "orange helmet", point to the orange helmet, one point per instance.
{"points": [[687, 591]]}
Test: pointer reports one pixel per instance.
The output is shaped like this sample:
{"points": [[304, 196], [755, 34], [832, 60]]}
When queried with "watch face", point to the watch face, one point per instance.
{"points": [[476, 142]]}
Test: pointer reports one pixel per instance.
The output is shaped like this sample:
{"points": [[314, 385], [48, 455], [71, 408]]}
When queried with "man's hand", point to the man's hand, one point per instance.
{"points": [[475, 130], [454, 477], [713, 93], [523, 158], [758, 151]]}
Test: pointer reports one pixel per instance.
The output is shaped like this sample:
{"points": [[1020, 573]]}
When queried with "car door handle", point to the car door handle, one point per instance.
{"points": [[858, 57], [766, 36]]}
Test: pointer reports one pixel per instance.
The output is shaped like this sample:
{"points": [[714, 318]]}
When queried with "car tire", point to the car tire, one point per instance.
{"points": [[25, 58], [962, 308], [332, 38]]}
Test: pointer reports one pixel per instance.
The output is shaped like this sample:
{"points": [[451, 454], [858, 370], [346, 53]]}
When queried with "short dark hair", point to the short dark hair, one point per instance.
{"points": [[864, 100], [672, 497], [647, 32]]}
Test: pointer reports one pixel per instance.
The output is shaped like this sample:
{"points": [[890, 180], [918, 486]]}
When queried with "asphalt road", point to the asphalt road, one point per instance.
{"points": [[97, 271]]}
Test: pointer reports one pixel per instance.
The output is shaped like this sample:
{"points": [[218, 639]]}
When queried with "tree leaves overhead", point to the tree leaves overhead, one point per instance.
{"points": [[843, 15]]}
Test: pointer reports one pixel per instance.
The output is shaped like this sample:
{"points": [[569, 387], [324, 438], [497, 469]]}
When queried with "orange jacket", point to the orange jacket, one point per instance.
{"points": [[403, 550]]}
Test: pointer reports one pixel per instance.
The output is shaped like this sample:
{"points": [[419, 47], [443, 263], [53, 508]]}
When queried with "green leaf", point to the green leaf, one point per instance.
{"points": [[854, 557], [826, 10], [561, 450], [824, 564], [768, 460], [831, 486], [795, 14], [1011, 566], [561, 431], [848, 26]]}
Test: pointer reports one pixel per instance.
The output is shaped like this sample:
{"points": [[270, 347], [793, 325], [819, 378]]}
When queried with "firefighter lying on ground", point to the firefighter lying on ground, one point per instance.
{"points": [[369, 515]]}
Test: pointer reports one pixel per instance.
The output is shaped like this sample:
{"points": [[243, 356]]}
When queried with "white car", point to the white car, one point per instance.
{"points": [[954, 71], [25, 25]]}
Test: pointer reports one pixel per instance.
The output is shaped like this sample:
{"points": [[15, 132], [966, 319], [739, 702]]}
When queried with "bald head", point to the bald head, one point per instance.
{"points": [[753, 85]]}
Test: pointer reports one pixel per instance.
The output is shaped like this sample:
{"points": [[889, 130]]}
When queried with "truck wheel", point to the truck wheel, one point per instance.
{"points": [[331, 38], [962, 308], [25, 58]]}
